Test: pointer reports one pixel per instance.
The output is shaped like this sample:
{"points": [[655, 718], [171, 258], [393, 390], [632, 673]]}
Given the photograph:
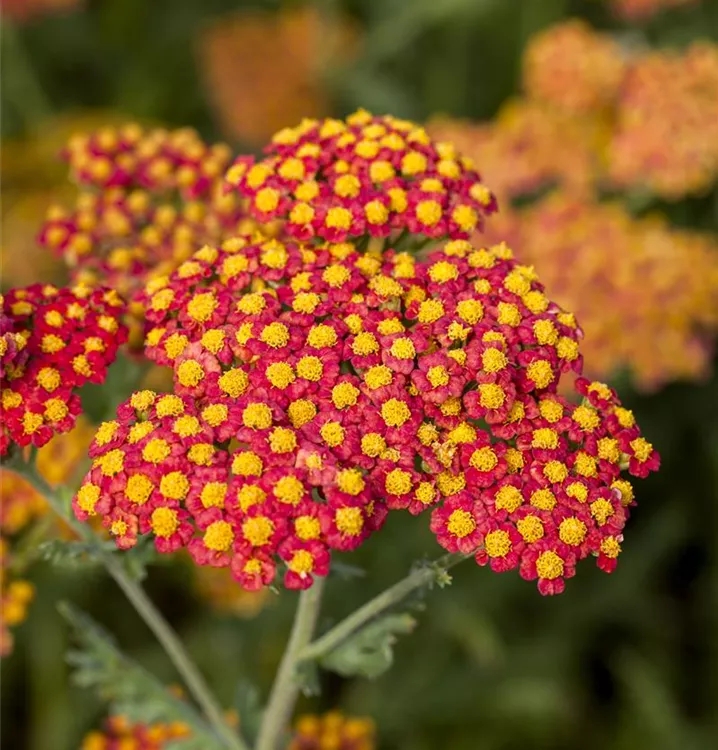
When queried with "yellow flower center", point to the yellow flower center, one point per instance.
{"points": [[395, 413], [213, 495], [497, 543], [398, 482], [530, 528], [202, 306], [258, 530], [257, 416], [174, 485], [461, 523], [572, 531], [164, 522], [289, 490], [219, 536], [350, 521], [377, 377], [307, 527], [87, 497], [190, 373]]}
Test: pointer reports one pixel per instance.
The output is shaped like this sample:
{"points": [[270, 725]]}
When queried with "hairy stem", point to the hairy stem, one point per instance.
{"points": [[435, 572], [152, 617], [285, 690]]}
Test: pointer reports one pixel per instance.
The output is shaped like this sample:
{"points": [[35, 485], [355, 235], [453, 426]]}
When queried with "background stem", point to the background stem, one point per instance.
{"points": [[285, 690]]}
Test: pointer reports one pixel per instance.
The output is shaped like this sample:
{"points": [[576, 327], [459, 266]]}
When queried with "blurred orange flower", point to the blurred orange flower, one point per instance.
{"points": [[24, 10], [642, 10], [645, 295], [33, 179], [263, 70]]}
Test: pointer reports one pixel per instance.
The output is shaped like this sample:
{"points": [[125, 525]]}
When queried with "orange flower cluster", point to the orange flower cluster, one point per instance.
{"points": [[631, 283], [21, 11], [527, 148], [147, 199], [596, 118], [572, 68], [121, 734], [333, 731], [22, 506], [642, 10], [264, 69], [596, 114], [666, 133]]}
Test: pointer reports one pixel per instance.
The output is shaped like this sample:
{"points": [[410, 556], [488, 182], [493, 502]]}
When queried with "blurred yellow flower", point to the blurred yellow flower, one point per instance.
{"points": [[217, 587]]}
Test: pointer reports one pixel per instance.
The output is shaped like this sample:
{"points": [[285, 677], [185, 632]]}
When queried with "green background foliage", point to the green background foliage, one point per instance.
{"points": [[625, 662]]}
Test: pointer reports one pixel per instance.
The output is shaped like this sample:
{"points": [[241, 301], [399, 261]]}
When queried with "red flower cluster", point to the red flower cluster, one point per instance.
{"points": [[55, 341], [333, 730], [121, 734], [318, 388], [374, 176], [147, 201]]}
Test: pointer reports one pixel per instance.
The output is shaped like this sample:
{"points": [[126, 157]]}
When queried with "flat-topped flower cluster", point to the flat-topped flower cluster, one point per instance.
{"points": [[367, 359]]}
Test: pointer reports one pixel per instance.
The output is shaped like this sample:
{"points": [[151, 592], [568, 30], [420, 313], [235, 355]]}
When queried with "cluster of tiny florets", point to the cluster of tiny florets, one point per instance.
{"points": [[147, 200], [589, 252], [121, 734], [572, 68], [344, 385], [656, 131], [333, 731], [666, 132], [373, 176], [55, 341]]}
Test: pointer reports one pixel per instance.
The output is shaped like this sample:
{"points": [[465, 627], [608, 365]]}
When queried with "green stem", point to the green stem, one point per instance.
{"points": [[153, 618], [26, 92], [285, 690], [435, 572]]}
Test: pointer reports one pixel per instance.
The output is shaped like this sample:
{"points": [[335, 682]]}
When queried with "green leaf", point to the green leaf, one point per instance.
{"points": [[133, 692], [136, 560], [369, 652], [249, 709], [72, 554]]}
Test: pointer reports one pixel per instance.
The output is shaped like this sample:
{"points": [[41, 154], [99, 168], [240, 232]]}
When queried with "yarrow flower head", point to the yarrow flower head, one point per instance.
{"points": [[346, 385], [333, 730], [366, 175], [56, 340]]}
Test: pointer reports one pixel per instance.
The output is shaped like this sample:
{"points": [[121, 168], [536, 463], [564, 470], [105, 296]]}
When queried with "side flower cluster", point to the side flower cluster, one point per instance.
{"points": [[147, 200], [121, 734], [347, 384], [375, 176], [55, 341], [333, 730]]}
